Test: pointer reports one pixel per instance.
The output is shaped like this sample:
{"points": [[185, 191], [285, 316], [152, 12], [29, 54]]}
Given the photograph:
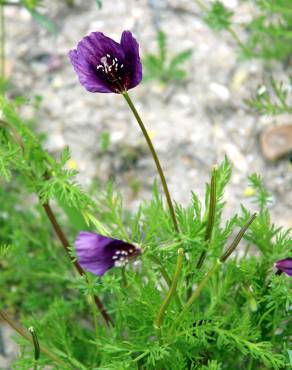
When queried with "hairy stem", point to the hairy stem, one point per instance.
{"points": [[21, 331], [160, 316], [237, 239], [155, 157], [211, 217], [65, 244]]}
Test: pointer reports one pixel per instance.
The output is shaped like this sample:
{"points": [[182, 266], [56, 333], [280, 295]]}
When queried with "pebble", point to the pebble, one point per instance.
{"points": [[276, 142]]}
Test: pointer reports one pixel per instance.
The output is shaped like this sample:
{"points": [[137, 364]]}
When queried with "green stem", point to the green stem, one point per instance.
{"points": [[211, 217], [2, 41], [94, 314], [214, 269], [28, 337], [202, 284], [166, 278], [155, 157], [237, 239], [160, 316], [124, 277], [237, 39], [201, 5], [91, 300]]}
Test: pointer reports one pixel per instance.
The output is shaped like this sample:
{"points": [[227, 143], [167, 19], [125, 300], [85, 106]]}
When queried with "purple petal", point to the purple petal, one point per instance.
{"points": [[97, 253], [86, 74], [96, 45], [131, 49], [91, 245], [285, 265]]}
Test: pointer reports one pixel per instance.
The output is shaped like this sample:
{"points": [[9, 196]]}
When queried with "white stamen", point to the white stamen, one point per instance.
{"points": [[131, 250], [122, 65], [103, 60], [108, 55], [115, 257]]}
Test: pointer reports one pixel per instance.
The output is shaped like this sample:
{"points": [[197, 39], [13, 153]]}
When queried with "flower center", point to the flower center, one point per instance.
{"points": [[110, 67], [121, 257]]}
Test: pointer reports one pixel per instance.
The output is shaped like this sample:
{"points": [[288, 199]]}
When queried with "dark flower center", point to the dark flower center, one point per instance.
{"points": [[121, 256], [111, 69]]}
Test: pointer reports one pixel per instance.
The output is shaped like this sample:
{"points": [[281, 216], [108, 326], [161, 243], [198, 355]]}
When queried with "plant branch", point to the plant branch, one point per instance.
{"points": [[22, 332], [166, 278], [172, 289], [80, 270], [211, 217]]}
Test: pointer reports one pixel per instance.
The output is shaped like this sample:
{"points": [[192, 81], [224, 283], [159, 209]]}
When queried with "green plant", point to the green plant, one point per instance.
{"points": [[273, 100], [242, 305], [162, 68]]}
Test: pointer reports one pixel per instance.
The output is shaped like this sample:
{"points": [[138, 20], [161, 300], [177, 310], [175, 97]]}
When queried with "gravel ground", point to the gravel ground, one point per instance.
{"points": [[193, 124]]}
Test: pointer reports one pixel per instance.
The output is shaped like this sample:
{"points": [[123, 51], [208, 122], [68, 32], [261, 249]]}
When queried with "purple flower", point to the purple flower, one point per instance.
{"points": [[97, 253], [105, 66], [284, 266]]}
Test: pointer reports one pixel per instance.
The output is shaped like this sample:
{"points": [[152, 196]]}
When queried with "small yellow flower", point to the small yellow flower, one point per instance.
{"points": [[249, 192], [71, 164]]}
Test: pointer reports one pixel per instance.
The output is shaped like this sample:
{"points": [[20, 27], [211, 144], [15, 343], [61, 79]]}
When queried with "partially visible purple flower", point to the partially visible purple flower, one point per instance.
{"points": [[105, 66], [97, 253], [284, 265]]}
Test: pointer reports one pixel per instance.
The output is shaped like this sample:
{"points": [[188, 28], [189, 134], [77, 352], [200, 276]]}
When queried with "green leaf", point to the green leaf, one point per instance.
{"points": [[290, 355], [99, 3], [180, 58], [43, 20], [218, 18], [161, 38]]}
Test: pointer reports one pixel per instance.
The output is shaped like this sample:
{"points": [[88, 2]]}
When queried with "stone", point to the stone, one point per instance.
{"points": [[276, 142]]}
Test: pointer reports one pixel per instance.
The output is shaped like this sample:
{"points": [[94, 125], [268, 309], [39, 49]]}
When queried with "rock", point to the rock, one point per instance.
{"points": [[276, 142]]}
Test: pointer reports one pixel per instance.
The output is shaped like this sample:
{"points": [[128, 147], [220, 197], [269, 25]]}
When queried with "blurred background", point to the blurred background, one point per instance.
{"points": [[216, 82]]}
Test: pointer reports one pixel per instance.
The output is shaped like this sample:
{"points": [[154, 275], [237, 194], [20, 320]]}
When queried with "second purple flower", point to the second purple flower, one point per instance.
{"points": [[285, 266], [97, 253]]}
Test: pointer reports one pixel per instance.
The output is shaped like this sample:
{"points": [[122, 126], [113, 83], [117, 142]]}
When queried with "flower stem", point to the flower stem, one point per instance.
{"points": [[211, 217], [94, 314], [4, 316], [166, 278], [2, 41], [155, 157], [237, 239], [160, 316], [65, 244], [237, 39], [202, 284]]}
